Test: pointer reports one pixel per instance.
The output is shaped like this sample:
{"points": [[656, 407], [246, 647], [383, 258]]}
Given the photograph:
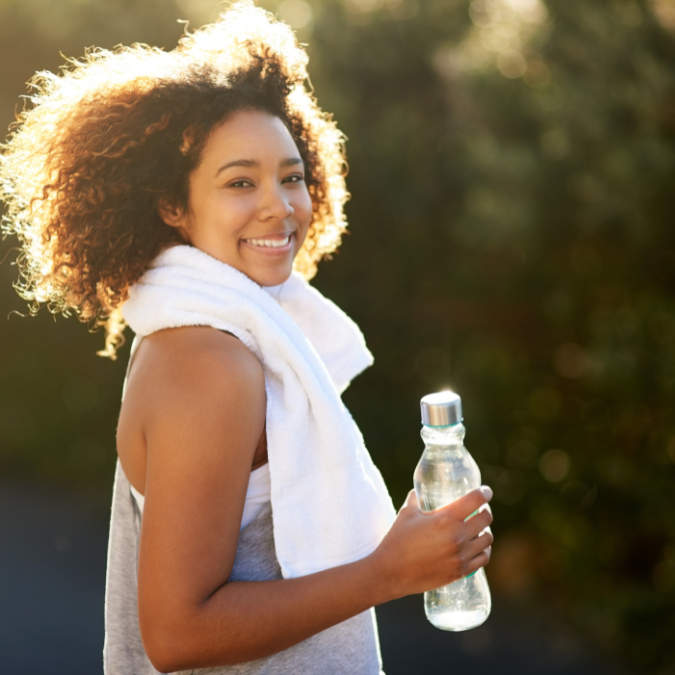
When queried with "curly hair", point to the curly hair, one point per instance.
{"points": [[101, 143]]}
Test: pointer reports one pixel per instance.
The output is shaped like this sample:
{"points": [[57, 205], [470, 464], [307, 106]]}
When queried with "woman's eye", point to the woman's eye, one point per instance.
{"points": [[295, 178], [240, 183]]}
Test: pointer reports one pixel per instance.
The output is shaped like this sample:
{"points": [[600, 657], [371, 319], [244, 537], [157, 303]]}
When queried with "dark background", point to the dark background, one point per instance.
{"points": [[511, 236]]}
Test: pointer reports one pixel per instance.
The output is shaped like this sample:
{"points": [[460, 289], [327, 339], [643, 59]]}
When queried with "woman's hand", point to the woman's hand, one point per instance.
{"points": [[423, 551]]}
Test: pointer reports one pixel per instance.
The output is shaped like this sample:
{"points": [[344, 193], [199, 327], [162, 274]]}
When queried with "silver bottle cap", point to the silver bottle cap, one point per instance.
{"points": [[442, 409]]}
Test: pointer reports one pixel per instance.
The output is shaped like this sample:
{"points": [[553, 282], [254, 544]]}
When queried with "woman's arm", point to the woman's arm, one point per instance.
{"points": [[248, 620], [202, 419]]}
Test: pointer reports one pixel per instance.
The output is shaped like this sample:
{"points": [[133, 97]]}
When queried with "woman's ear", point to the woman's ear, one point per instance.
{"points": [[171, 214]]}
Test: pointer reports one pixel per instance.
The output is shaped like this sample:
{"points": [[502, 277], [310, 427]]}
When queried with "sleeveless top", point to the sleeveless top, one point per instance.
{"points": [[349, 647], [257, 495]]}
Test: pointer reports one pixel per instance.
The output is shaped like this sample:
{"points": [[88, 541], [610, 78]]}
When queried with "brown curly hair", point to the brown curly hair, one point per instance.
{"points": [[102, 142]]}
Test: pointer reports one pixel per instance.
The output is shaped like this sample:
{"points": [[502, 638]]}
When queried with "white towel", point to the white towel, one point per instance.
{"points": [[335, 337], [330, 504]]}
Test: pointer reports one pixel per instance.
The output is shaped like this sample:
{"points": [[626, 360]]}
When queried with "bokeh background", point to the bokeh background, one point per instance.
{"points": [[511, 237]]}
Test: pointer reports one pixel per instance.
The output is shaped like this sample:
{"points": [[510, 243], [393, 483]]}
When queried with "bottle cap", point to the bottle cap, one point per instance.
{"points": [[442, 409]]}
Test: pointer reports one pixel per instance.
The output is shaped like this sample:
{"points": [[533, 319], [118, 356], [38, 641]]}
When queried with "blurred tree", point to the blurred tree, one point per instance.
{"points": [[511, 174], [512, 166]]}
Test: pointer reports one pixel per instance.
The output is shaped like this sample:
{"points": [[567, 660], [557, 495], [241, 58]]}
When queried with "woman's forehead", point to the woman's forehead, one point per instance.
{"points": [[250, 136]]}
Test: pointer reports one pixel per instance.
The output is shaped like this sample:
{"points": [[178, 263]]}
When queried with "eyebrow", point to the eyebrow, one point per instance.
{"points": [[254, 163]]}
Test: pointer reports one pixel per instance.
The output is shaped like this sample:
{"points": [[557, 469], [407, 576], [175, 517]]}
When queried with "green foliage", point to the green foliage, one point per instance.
{"points": [[511, 169]]}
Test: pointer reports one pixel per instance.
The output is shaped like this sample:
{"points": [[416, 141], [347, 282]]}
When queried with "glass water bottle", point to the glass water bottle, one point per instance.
{"points": [[446, 471]]}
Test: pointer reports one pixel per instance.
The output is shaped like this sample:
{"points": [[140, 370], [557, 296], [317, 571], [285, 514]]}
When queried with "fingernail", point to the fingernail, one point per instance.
{"points": [[487, 492]]}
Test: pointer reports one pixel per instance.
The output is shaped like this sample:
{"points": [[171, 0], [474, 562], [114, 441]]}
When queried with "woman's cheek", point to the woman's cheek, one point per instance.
{"points": [[306, 210]]}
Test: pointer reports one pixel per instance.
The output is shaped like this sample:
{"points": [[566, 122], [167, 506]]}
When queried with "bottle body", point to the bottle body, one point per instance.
{"points": [[446, 471]]}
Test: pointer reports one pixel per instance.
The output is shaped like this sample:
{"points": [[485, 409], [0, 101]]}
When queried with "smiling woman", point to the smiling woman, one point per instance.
{"points": [[249, 205], [193, 193], [118, 134]]}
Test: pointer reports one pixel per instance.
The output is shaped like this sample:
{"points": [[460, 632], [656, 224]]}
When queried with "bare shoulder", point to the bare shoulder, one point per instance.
{"points": [[191, 392], [191, 382], [182, 351], [197, 360]]}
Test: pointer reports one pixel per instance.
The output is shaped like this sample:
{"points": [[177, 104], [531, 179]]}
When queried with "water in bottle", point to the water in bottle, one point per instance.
{"points": [[446, 471]]}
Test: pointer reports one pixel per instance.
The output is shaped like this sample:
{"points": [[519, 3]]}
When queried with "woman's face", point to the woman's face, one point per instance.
{"points": [[249, 206]]}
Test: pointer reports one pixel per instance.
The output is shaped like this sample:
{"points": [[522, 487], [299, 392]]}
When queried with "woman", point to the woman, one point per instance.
{"points": [[250, 531]]}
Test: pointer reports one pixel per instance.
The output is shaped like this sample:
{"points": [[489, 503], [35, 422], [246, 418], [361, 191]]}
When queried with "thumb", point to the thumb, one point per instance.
{"points": [[411, 500]]}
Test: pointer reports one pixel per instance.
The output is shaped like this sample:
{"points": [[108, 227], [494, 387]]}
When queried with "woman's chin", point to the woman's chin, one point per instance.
{"points": [[270, 277], [274, 273]]}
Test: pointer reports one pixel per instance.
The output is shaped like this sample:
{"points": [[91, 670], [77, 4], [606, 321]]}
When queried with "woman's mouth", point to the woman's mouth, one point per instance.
{"points": [[271, 245]]}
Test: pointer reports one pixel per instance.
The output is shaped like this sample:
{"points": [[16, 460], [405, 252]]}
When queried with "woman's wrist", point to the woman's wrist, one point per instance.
{"points": [[381, 583]]}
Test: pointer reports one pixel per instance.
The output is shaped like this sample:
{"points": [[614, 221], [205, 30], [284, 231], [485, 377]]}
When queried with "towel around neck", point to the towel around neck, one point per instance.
{"points": [[330, 505]]}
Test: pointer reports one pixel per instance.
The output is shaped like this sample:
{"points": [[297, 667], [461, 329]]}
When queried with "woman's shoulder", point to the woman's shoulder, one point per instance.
{"points": [[178, 361], [190, 346]]}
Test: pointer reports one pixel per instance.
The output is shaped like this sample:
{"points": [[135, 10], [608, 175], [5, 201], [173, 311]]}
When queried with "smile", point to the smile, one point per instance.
{"points": [[269, 243]]}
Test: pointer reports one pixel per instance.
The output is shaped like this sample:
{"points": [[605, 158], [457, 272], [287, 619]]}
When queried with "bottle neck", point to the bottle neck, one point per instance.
{"points": [[451, 435]]}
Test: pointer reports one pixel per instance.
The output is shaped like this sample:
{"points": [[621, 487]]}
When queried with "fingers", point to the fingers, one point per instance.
{"points": [[476, 524], [471, 502], [451, 540], [477, 545], [478, 561]]}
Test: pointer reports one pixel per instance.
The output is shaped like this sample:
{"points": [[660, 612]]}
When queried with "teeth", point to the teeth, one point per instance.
{"points": [[269, 243]]}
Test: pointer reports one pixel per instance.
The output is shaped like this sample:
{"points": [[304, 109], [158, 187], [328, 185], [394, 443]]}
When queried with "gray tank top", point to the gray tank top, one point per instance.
{"points": [[350, 647]]}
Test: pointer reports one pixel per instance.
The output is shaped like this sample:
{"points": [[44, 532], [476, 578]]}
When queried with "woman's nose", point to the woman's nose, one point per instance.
{"points": [[275, 204]]}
